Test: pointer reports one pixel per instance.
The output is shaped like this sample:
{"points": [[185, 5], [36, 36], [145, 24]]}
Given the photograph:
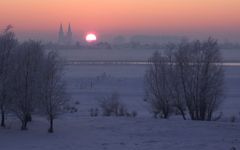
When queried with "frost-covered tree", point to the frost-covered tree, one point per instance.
{"points": [[189, 78], [28, 66], [201, 74], [54, 97], [7, 44], [175, 86], [158, 85]]}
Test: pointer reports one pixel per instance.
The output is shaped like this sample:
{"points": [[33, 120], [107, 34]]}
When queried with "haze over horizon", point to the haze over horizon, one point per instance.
{"points": [[40, 19]]}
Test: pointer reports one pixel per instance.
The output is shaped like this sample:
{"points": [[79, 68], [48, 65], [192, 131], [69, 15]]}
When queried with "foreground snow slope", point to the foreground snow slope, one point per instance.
{"points": [[139, 133]]}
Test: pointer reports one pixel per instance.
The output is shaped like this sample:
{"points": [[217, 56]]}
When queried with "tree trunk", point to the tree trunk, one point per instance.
{"points": [[191, 113], [209, 116], [28, 117], [50, 130], [182, 113], [165, 114], [3, 118], [24, 125]]}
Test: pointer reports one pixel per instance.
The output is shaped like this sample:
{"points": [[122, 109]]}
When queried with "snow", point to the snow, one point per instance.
{"points": [[128, 81], [139, 133], [86, 83]]}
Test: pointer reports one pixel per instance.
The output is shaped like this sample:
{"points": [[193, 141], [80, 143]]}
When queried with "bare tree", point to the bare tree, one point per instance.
{"points": [[175, 87], [200, 72], [188, 78], [54, 95], [7, 44], [28, 62], [158, 84]]}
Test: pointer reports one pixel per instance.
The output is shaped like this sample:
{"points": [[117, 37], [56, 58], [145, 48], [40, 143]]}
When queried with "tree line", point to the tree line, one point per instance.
{"points": [[30, 80]]}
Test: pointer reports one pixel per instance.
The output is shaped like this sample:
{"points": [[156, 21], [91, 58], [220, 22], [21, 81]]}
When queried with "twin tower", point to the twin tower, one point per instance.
{"points": [[65, 39]]}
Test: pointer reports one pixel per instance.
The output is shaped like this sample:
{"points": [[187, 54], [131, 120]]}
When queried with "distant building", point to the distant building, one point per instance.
{"points": [[61, 38], [65, 39]]}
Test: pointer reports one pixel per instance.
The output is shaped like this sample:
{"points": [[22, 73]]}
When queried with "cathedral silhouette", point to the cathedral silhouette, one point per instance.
{"points": [[65, 39]]}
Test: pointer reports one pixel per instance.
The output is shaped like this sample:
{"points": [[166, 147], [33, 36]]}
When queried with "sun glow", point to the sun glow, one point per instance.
{"points": [[90, 37]]}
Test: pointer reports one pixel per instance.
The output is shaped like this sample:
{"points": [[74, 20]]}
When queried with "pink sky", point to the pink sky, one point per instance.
{"points": [[41, 18]]}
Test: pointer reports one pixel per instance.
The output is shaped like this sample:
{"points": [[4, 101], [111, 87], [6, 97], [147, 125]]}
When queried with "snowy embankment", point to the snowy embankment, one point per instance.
{"points": [[122, 134]]}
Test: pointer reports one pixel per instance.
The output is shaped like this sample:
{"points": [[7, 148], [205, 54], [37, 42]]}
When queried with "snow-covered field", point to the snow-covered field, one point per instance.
{"points": [[86, 83], [139, 133], [89, 82]]}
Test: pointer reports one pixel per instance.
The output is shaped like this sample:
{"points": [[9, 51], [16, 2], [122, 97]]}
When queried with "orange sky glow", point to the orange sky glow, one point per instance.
{"points": [[154, 17]]}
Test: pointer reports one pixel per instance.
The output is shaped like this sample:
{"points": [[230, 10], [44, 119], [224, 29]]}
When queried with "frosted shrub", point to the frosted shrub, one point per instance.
{"points": [[94, 112], [134, 114], [111, 106], [233, 119]]}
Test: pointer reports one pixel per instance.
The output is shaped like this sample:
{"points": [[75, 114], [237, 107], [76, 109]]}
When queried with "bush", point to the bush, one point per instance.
{"points": [[94, 112], [233, 119], [111, 106], [70, 109], [134, 114], [77, 102]]}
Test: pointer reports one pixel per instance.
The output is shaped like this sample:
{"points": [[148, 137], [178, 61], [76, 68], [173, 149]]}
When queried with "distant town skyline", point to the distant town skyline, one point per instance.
{"points": [[40, 19]]}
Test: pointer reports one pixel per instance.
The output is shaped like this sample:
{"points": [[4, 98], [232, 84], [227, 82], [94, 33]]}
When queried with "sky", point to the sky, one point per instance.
{"points": [[196, 18]]}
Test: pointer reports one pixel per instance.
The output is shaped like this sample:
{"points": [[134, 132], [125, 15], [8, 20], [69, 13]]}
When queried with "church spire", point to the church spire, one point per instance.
{"points": [[61, 35], [61, 28], [69, 29], [69, 34]]}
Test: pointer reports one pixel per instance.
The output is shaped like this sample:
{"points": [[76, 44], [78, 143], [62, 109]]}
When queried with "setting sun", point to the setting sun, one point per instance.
{"points": [[90, 37]]}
